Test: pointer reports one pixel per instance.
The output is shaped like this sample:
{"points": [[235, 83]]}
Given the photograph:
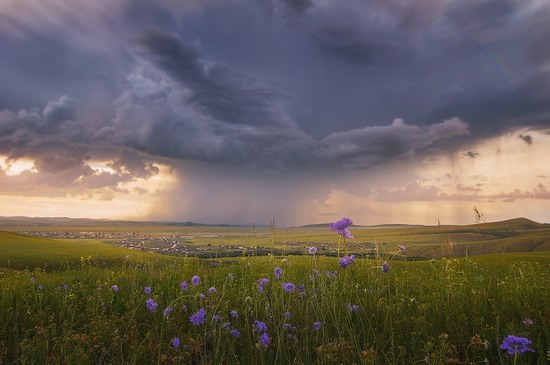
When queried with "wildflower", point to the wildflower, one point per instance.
{"points": [[230, 277], [302, 287], [288, 326], [114, 288], [260, 326], [288, 287], [317, 326], [168, 310], [33, 279], [385, 267], [312, 250], [278, 272], [261, 284], [40, 287], [226, 325], [195, 280], [212, 290], [202, 296], [184, 308], [264, 339], [528, 322], [184, 286], [341, 227], [288, 315], [346, 261], [147, 290], [151, 305], [216, 318], [402, 249], [235, 333], [176, 342], [233, 314], [198, 317], [515, 345], [353, 308]]}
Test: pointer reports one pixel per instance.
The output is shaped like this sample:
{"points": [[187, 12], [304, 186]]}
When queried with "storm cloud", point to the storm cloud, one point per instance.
{"points": [[276, 88]]}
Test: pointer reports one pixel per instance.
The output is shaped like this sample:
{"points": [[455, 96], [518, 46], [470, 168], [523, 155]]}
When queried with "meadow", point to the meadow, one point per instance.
{"points": [[103, 304]]}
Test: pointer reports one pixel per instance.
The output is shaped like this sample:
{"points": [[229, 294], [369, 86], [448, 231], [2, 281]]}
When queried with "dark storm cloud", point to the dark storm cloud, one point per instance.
{"points": [[275, 85]]}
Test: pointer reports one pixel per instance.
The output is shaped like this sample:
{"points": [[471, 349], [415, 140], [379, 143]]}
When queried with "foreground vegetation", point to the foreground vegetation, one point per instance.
{"points": [[312, 311]]}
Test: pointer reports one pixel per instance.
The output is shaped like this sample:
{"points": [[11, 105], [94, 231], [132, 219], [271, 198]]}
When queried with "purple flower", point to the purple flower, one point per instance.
{"points": [[353, 308], [288, 287], [168, 310], [528, 322], [264, 339], [195, 280], [216, 318], [302, 287], [40, 287], [312, 250], [261, 284], [184, 308], [288, 315], [202, 296], [147, 290], [33, 279], [212, 290], [515, 345], [317, 326], [235, 333], [176, 342], [278, 272], [402, 249], [114, 288], [198, 317], [226, 325], [151, 305], [385, 267], [184, 286], [346, 261], [233, 314], [341, 227], [260, 326]]}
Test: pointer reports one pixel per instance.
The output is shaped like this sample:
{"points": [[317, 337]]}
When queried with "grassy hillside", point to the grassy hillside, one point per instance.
{"points": [[20, 251]]}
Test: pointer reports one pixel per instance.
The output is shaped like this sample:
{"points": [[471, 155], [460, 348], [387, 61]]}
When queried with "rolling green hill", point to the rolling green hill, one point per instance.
{"points": [[19, 251]]}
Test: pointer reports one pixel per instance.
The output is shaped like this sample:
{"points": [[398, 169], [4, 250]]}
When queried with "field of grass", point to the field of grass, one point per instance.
{"points": [[20, 251], [93, 304]]}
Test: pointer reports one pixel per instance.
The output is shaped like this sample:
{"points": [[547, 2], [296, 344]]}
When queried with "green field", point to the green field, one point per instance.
{"points": [[60, 306]]}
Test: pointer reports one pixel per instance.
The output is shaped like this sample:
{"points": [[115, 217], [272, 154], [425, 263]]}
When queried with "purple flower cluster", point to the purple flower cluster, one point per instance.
{"points": [[184, 286], [212, 290], [346, 261], [198, 317], [288, 287], [264, 339], [151, 304], [147, 290], [176, 342], [260, 326], [195, 280], [261, 284], [402, 249], [168, 310], [317, 326], [353, 307], [341, 227], [385, 267], [515, 345], [114, 288], [312, 250], [233, 313], [278, 272]]}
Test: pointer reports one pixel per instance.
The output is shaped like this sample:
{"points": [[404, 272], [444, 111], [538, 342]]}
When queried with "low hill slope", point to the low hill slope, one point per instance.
{"points": [[19, 251]]}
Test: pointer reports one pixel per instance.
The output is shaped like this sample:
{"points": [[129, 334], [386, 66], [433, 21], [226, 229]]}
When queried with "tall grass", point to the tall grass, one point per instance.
{"points": [[440, 312]]}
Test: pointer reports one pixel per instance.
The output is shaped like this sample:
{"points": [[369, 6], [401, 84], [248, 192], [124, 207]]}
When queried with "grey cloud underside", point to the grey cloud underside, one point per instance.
{"points": [[268, 86]]}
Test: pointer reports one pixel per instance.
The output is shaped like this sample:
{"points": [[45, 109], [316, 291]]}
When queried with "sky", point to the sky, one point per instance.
{"points": [[298, 111]]}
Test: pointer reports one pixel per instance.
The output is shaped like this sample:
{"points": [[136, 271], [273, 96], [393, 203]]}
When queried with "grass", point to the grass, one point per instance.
{"points": [[20, 251], [451, 311], [444, 311]]}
